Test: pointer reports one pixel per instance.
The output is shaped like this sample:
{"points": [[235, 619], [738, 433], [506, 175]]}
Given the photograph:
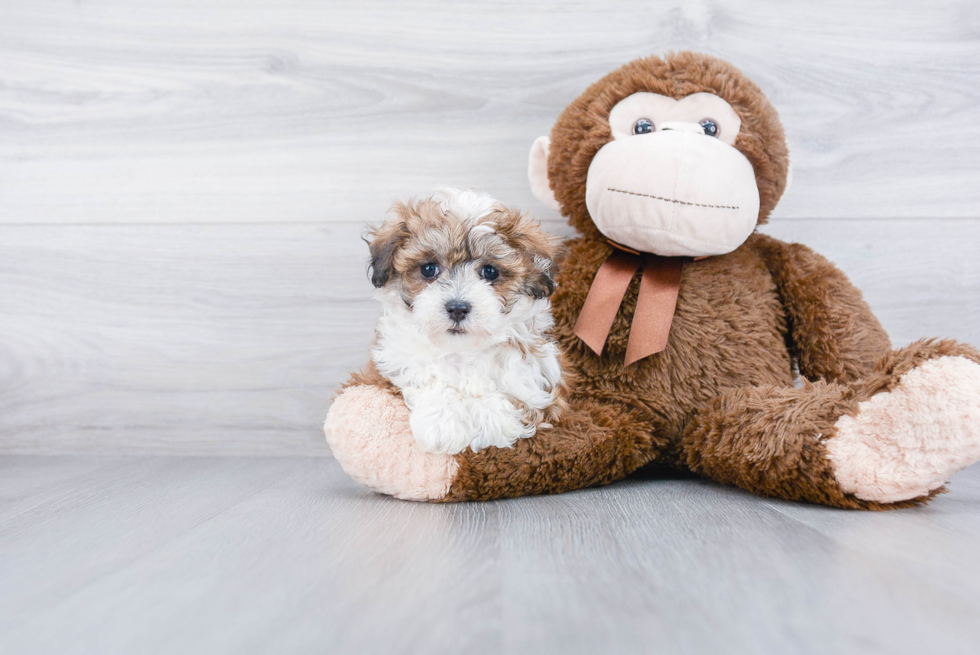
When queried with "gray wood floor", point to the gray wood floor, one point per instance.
{"points": [[136, 554]]}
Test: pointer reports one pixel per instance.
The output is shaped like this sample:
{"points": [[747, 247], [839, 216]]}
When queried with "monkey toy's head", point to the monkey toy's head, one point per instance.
{"points": [[680, 156]]}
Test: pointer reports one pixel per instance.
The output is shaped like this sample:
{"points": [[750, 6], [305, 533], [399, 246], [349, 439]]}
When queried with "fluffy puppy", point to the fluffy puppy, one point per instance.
{"points": [[464, 282]]}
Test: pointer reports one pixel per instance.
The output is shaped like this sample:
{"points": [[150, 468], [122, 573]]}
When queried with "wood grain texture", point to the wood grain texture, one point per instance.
{"points": [[182, 186], [233, 338], [115, 111], [287, 555]]}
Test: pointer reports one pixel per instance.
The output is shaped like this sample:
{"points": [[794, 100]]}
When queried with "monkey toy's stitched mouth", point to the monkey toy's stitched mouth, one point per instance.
{"points": [[679, 202]]}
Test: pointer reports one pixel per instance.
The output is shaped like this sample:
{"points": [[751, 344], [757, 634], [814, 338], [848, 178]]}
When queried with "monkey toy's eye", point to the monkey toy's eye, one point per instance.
{"points": [[710, 127], [489, 273], [430, 270], [643, 126]]}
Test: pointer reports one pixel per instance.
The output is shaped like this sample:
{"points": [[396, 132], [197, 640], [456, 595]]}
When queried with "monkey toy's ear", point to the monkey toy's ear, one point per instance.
{"points": [[537, 173]]}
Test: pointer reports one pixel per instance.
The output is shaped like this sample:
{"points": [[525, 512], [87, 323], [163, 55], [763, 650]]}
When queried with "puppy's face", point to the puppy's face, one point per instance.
{"points": [[462, 267]]}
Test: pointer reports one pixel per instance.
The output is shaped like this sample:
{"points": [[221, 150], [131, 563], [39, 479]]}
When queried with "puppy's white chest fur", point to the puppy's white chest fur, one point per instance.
{"points": [[476, 398]]}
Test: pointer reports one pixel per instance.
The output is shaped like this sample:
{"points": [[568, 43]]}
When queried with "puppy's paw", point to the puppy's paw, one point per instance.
{"points": [[439, 419], [496, 422], [368, 431], [906, 442]]}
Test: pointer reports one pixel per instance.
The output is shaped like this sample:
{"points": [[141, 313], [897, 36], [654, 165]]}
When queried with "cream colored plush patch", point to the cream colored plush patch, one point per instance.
{"points": [[537, 173], [907, 442], [368, 431]]}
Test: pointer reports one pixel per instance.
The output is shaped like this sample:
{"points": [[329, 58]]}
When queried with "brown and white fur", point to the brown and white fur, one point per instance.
{"points": [[465, 285]]}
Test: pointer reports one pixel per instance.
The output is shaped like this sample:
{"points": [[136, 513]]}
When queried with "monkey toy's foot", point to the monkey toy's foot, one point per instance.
{"points": [[907, 441], [367, 429]]}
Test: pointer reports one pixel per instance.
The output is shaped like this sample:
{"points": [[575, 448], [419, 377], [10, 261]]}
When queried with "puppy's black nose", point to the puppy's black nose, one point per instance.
{"points": [[458, 309]]}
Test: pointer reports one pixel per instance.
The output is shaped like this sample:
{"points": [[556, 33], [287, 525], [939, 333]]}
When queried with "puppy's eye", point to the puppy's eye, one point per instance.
{"points": [[710, 127], [643, 126], [430, 270], [489, 273]]}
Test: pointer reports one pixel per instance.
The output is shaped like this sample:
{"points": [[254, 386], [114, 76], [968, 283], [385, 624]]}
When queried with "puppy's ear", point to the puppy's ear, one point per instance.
{"points": [[384, 241], [541, 284], [545, 251], [539, 250]]}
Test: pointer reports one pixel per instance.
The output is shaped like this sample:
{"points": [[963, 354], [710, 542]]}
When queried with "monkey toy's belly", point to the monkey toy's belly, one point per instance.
{"points": [[729, 330]]}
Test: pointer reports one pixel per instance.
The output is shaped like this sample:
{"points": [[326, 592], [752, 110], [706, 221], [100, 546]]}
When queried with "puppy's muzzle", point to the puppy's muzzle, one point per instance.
{"points": [[457, 310]]}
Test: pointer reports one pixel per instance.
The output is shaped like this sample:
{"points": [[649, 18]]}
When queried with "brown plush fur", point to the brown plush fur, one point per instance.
{"points": [[720, 400], [717, 398]]}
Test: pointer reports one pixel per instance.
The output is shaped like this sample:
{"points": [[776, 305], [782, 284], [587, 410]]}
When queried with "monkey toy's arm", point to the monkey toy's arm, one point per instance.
{"points": [[833, 335]]}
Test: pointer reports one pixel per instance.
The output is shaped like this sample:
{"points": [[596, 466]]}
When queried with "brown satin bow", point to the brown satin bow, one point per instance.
{"points": [[655, 303]]}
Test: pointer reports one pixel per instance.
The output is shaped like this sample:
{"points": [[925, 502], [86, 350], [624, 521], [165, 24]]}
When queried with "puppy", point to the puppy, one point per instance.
{"points": [[464, 284]]}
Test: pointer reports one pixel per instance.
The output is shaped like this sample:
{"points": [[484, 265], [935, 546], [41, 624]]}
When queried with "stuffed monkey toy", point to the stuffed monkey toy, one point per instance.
{"points": [[681, 327]]}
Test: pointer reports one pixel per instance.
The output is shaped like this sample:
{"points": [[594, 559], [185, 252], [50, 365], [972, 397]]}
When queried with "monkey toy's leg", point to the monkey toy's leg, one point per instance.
{"points": [[368, 431], [870, 428], [889, 440]]}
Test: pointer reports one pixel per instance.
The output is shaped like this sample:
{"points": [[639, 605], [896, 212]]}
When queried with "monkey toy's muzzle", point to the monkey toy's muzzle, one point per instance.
{"points": [[675, 192]]}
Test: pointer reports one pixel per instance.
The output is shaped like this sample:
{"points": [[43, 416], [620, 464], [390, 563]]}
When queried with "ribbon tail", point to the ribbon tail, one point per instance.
{"points": [[655, 306], [605, 296]]}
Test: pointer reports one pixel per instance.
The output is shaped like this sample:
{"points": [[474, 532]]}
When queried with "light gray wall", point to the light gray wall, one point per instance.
{"points": [[183, 184]]}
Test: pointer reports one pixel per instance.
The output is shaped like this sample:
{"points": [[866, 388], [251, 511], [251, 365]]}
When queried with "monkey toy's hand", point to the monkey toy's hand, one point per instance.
{"points": [[368, 430]]}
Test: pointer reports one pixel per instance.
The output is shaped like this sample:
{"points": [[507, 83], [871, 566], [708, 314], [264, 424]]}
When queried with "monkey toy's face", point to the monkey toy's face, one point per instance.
{"points": [[669, 165], [671, 182]]}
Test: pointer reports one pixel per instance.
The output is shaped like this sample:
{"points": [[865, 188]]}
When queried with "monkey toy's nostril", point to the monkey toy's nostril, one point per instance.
{"points": [[457, 309]]}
